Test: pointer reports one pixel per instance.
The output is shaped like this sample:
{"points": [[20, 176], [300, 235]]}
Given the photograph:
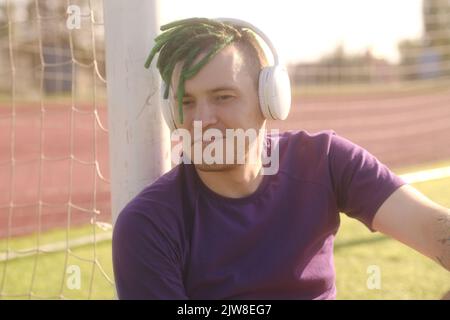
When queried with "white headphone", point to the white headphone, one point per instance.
{"points": [[274, 88]]}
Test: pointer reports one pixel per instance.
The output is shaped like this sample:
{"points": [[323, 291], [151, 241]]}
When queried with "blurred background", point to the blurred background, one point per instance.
{"points": [[376, 72]]}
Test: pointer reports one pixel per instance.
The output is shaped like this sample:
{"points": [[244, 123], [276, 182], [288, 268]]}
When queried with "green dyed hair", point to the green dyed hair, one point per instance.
{"points": [[184, 40]]}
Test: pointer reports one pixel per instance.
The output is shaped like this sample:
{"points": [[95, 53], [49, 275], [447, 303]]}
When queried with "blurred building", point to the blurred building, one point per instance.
{"points": [[342, 68], [435, 58], [36, 43], [436, 19]]}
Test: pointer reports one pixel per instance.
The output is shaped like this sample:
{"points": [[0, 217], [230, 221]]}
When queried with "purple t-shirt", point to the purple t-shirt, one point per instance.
{"points": [[177, 239]]}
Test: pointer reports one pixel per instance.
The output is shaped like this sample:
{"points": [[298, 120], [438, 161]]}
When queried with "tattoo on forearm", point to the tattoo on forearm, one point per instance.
{"points": [[440, 261], [443, 227]]}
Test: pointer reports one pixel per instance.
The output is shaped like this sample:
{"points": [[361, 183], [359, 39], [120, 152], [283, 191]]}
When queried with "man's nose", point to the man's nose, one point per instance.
{"points": [[205, 113]]}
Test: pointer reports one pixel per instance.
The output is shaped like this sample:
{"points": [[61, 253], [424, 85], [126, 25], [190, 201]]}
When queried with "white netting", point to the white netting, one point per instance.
{"points": [[53, 158]]}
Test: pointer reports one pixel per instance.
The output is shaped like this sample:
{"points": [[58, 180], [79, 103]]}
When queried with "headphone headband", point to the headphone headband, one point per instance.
{"points": [[274, 90], [262, 35]]}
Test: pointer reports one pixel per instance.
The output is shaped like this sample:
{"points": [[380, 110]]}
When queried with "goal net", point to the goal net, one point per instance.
{"points": [[54, 168]]}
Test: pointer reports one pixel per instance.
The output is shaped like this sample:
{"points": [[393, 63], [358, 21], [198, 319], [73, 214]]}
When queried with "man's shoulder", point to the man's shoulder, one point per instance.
{"points": [[152, 221], [158, 201], [305, 138], [305, 155], [166, 186], [301, 145]]}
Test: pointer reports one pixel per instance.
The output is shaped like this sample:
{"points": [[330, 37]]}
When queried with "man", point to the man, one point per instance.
{"points": [[226, 230]]}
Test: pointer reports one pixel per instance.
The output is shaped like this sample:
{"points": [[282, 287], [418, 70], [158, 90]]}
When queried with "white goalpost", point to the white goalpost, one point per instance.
{"points": [[138, 139]]}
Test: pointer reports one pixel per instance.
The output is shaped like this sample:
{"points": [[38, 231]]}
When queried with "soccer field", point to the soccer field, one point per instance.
{"points": [[404, 274]]}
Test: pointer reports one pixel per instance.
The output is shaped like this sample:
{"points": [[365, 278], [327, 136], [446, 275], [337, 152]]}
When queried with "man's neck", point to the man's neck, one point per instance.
{"points": [[238, 182]]}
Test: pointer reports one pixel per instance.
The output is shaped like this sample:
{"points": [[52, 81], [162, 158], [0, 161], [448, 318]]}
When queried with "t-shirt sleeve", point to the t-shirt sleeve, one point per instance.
{"points": [[145, 260], [361, 182]]}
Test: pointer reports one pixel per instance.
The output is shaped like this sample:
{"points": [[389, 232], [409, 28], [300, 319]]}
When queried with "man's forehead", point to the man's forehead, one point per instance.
{"points": [[222, 71]]}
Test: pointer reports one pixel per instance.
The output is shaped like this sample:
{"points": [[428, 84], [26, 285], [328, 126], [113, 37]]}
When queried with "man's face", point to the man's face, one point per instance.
{"points": [[222, 95]]}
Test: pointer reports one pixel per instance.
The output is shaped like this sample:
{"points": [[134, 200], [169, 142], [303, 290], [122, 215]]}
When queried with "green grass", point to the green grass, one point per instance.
{"points": [[404, 273], [50, 268]]}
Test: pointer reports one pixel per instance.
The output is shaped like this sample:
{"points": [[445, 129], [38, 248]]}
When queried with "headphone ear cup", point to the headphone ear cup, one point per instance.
{"points": [[166, 110], [262, 82], [274, 93]]}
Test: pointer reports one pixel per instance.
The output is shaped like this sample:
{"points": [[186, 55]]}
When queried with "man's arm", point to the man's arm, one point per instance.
{"points": [[410, 217], [145, 258]]}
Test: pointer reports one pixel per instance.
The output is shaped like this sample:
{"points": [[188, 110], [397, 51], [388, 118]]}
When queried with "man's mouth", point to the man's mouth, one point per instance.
{"points": [[206, 142]]}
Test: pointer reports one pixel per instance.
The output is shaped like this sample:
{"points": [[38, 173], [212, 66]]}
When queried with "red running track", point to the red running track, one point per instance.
{"points": [[401, 130]]}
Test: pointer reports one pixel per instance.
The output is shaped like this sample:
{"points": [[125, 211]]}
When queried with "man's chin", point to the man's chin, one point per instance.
{"points": [[215, 167]]}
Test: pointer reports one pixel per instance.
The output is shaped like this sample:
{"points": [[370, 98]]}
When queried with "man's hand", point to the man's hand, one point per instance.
{"points": [[410, 217]]}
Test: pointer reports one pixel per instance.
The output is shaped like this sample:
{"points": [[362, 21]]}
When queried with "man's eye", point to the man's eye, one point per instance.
{"points": [[188, 103], [224, 97]]}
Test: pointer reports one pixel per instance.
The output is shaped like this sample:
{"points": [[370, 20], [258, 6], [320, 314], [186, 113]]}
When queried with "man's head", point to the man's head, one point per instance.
{"points": [[212, 69], [184, 41]]}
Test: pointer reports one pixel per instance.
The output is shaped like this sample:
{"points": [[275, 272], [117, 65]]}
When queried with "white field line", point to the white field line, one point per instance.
{"points": [[426, 175], [55, 246], [414, 177]]}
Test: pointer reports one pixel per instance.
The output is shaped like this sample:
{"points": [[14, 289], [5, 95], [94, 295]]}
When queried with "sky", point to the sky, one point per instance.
{"points": [[303, 30]]}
